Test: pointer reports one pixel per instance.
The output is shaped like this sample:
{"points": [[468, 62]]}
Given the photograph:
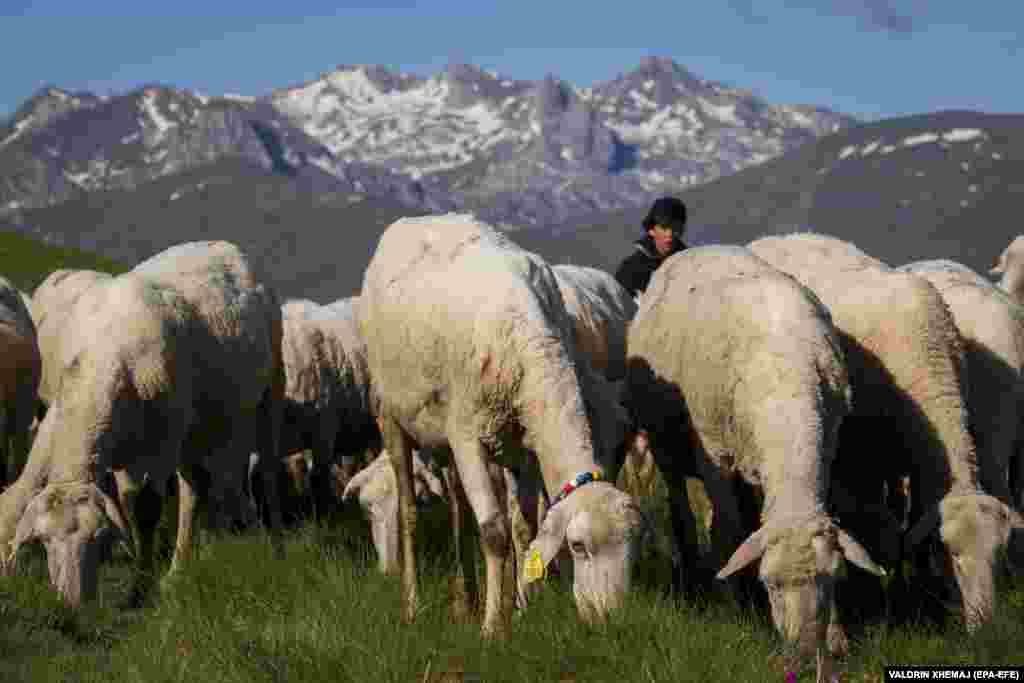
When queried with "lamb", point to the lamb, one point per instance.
{"points": [[327, 397], [736, 372], [19, 379], [166, 368], [469, 345], [374, 488], [906, 364]]}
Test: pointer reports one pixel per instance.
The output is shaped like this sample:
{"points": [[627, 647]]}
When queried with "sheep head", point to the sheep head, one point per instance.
{"points": [[72, 521], [605, 531], [1011, 267], [974, 529], [800, 565], [376, 489]]}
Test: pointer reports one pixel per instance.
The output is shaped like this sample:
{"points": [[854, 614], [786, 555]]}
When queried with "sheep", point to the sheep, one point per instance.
{"points": [[327, 396], [50, 305], [165, 367], [736, 372], [469, 345], [1011, 267], [600, 309], [19, 379], [907, 370], [992, 327], [374, 488]]}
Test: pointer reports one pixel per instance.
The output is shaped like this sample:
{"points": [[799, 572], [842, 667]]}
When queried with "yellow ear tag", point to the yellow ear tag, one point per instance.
{"points": [[534, 567]]}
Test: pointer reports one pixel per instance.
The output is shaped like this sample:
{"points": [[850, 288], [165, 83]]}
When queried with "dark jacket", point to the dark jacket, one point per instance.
{"points": [[635, 271]]}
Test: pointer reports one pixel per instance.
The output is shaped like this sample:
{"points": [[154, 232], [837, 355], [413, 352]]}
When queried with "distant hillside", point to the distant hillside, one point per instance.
{"points": [[26, 261], [312, 245], [943, 185]]}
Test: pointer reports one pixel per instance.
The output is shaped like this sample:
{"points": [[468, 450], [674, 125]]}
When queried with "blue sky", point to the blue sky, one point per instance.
{"points": [[865, 57]]}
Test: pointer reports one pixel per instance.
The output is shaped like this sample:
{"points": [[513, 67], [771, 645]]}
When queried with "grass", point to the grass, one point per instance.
{"points": [[320, 611], [27, 262]]}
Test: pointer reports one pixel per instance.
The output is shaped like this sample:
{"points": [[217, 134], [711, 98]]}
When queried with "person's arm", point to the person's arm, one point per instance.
{"points": [[627, 276]]}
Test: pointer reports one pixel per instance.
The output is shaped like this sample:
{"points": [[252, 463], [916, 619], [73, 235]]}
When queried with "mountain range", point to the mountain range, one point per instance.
{"points": [[306, 178], [517, 153], [942, 185]]}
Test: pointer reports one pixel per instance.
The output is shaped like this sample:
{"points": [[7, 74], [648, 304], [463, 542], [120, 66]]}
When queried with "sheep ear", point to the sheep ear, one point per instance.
{"points": [[854, 552], [751, 549], [928, 522]]}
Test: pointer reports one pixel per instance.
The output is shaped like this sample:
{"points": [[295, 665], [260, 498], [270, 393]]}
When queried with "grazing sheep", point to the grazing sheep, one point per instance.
{"points": [[374, 488], [51, 303], [469, 345], [736, 373], [906, 364], [20, 372], [600, 309], [165, 367], [992, 327], [327, 396]]}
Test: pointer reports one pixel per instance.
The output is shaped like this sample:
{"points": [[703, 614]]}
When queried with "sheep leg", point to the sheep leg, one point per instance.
{"points": [[270, 417], [727, 532], [17, 454], [400, 450], [462, 588], [7, 465], [471, 460], [186, 517], [1016, 475], [143, 507], [505, 487], [523, 490], [319, 489], [688, 580]]}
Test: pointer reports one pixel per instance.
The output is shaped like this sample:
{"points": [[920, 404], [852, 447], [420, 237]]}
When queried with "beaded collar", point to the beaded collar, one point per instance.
{"points": [[576, 482]]}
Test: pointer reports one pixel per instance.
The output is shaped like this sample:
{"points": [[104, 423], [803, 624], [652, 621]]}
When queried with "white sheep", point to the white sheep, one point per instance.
{"points": [[992, 327], [600, 309], [906, 362], [166, 368], [374, 488], [469, 345], [736, 373], [1011, 267], [20, 373], [327, 396]]}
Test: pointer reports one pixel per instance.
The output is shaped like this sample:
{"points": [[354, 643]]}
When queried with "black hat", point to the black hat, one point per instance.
{"points": [[667, 211]]}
